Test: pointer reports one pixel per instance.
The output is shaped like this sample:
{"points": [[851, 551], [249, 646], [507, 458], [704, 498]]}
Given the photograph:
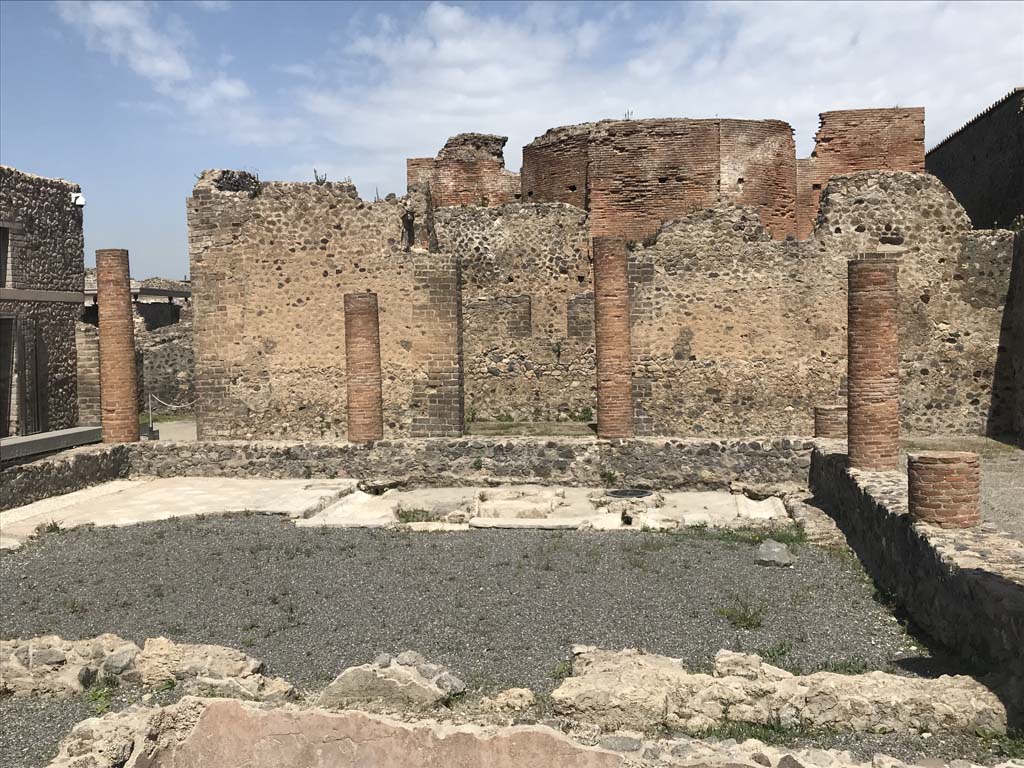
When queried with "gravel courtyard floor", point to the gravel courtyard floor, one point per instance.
{"points": [[500, 608]]}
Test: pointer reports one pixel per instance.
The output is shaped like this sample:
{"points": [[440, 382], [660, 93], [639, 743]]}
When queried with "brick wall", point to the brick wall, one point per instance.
{"points": [[469, 170], [633, 175], [982, 164], [857, 140], [527, 309], [270, 264], [87, 344]]}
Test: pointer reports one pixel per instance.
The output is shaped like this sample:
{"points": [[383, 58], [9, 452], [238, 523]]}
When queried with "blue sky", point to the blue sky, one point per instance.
{"points": [[132, 100]]}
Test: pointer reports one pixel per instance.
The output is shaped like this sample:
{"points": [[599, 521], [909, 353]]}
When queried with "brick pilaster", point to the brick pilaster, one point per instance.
{"points": [[945, 488], [362, 368], [873, 408], [830, 421], [119, 401], [611, 331]]}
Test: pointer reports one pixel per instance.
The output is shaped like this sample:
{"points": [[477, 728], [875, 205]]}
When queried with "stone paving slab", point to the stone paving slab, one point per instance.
{"points": [[339, 503], [126, 502]]}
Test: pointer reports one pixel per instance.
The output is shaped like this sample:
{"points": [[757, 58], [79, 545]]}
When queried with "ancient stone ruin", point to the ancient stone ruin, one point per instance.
{"points": [[671, 449]]}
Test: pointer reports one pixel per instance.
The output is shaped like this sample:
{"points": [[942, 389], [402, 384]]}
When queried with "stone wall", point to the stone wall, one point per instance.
{"points": [[857, 140], [527, 307], [45, 253], [1010, 368], [270, 264], [965, 588], [469, 170], [167, 366], [982, 164], [760, 465], [736, 333], [633, 175]]}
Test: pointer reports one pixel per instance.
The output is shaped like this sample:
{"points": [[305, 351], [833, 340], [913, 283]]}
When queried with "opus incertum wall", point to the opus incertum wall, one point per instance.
{"points": [[119, 399]]}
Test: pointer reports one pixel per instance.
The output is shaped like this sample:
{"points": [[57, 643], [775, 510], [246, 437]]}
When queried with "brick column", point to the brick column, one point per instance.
{"points": [[945, 488], [611, 331], [873, 405], [830, 421], [119, 399], [362, 368]]}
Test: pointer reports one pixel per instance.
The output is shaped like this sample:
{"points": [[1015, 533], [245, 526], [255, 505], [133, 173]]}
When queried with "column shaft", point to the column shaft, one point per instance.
{"points": [[119, 398], [362, 368], [612, 336]]}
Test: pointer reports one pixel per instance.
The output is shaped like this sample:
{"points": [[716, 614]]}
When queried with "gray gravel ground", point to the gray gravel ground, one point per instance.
{"points": [[501, 608]]}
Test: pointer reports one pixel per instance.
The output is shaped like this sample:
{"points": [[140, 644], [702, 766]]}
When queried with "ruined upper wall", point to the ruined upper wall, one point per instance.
{"points": [[857, 140], [634, 175], [469, 170], [983, 163]]}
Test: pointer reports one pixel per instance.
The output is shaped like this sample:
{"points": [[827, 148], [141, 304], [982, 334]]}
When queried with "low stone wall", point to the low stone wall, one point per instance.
{"points": [[760, 465], [61, 473], [701, 464], [965, 588]]}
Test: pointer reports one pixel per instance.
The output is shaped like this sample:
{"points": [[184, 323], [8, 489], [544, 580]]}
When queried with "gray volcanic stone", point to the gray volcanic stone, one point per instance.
{"points": [[772, 552]]}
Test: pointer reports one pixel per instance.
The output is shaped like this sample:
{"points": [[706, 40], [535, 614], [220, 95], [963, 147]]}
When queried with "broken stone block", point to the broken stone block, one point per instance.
{"points": [[772, 552]]}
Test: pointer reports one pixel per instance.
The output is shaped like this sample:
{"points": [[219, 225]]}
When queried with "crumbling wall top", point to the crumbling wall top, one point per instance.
{"points": [[474, 146]]}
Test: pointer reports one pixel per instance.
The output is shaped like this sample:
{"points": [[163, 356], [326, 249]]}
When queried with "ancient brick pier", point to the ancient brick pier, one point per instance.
{"points": [[944, 488], [873, 408], [830, 421], [611, 330], [119, 401], [362, 361]]}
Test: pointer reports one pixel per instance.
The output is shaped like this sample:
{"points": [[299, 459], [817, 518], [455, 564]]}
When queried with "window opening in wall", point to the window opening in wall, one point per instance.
{"points": [[815, 186], [5, 258]]}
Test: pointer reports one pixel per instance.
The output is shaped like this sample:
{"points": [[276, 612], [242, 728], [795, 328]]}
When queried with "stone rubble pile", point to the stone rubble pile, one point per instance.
{"points": [[633, 690], [237, 734], [52, 665], [406, 680]]}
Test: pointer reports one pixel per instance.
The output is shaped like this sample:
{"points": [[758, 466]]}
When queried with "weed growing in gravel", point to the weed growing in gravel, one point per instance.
{"points": [[164, 685], [741, 613], [51, 527], [773, 734], [608, 477], [776, 654], [562, 670], [99, 697], [854, 666], [1010, 747], [792, 534], [414, 516]]}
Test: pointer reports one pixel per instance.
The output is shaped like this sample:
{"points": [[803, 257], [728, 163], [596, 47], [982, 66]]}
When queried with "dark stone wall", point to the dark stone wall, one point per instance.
{"points": [[982, 164]]}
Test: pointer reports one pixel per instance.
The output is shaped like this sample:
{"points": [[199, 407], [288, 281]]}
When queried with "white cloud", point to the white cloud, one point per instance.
{"points": [[213, 5], [155, 47]]}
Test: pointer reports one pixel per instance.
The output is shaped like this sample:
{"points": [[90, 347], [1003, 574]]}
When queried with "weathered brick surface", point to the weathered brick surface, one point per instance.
{"points": [[873, 362], [611, 326], [634, 175], [469, 170], [527, 309], [830, 421], [982, 164], [362, 368], [87, 345], [857, 140], [119, 394], [944, 488]]}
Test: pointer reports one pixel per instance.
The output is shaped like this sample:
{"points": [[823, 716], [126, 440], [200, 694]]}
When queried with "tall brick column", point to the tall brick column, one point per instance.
{"points": [[362, 368], [611, 331], [830, 421], [873, 406], [945, 488], [119, 399]]}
